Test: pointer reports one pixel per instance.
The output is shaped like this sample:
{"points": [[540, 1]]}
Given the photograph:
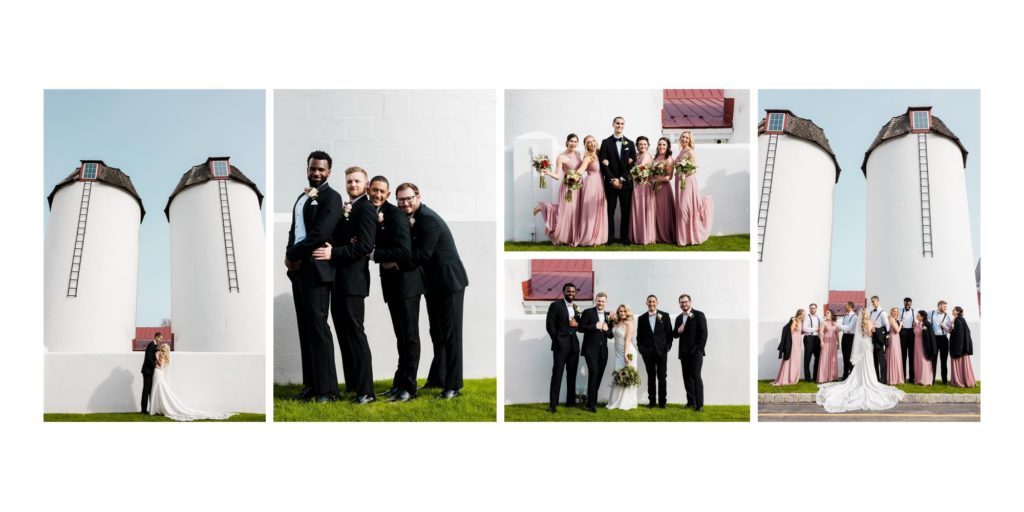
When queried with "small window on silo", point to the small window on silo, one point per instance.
{"points": [[220, 168], [89, 171], [776, 122], [919, 120]]}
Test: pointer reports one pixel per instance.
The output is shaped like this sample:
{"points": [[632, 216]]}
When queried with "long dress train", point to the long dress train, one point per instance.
{"points": [[164, 401], [861, 390]]}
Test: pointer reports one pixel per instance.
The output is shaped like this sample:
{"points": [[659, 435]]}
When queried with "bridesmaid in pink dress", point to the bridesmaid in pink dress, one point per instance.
{"points": [[693, 213], [592, 223], [664, 201], [789, 370], [961, 347], [828, 358], [562, 233], [641, 227], [923, 373], [893, 354]]}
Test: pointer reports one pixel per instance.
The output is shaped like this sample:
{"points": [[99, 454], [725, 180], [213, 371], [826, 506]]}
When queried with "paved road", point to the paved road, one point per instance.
{"points": [[902, 412]]}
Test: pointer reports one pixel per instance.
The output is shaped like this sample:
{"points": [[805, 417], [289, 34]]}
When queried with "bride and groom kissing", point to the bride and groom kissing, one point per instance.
{"points": [[330, 245], [653, 333]]}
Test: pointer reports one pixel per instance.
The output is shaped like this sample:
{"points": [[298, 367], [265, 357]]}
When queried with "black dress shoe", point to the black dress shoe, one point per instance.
{"points": [[364, 399], [390, 393], [591, 408], [552, 409], [327, 398], [662, 406], [305, 394], [650, 405], [448, 394], [401, 396], [698, 409]]}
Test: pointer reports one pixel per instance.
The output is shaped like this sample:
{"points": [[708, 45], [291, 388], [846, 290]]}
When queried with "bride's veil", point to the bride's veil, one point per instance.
{"points": [[860, 348]]}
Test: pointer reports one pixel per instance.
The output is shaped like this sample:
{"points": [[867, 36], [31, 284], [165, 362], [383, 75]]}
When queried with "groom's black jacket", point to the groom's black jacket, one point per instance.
{"points": [[149, 363], [319, 220], [694, 337], [593, 338], [659, 340], [351, 258], [786, 342], [618, 167], [433, 250], [393, 244], [557, 324]]}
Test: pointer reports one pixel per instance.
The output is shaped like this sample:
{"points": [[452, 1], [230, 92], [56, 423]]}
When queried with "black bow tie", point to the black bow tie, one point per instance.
{"points": [[618, 139]]}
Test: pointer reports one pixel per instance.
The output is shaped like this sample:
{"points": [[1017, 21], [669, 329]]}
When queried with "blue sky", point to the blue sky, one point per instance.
{"points": [[153, 137], [851, 119]]}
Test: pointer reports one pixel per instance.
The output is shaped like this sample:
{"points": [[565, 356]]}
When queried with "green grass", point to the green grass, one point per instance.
{"points": [[765, 386], [715, 243], [134, 416], [477, 403], [674, 412]]}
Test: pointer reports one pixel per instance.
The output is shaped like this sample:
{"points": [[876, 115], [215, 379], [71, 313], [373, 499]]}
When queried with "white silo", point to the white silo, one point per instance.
{"points": [[797, 173], [918, 226], [217, 285], [91, 261]]}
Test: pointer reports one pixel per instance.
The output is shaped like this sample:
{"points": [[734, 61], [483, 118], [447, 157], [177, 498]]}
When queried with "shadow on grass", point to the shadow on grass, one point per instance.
{"points": [[765, 386], [715, 243], [138, 417], [477, 403], [674, 412]]}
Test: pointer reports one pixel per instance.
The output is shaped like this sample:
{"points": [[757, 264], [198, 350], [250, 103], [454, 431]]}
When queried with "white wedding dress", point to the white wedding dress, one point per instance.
{"points": [[163, 401], [622, 397], [861, 391]]}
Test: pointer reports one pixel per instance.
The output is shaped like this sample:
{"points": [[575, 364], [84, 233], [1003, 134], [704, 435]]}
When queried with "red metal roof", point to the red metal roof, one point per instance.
{"points": [[837, 300], [696, 108], [548, 276], [143, 335]]}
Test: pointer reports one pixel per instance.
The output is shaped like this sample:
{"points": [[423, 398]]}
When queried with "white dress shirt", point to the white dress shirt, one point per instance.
{"points": [[849, 325], [652, 317], [907, 318], [300, 224], [940, 327], [812, 324], [880, 318], [618, 145]]}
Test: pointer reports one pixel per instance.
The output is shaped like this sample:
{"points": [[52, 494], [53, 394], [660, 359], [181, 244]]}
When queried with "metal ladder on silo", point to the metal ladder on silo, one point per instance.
{"points": [[766, 193], [76, 253], [229, 240], [926, 203]]}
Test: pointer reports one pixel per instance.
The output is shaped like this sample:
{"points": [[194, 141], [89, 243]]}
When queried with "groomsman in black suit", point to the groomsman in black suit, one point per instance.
{"points": [[880, 339], [349, 251], [907, 315], [941, 322], [596, 333], [562, 322], [812, 342], [849, 328], [401, 284], [617, 154], [148, 367], [692, 330], [314, 216], [654, 341], [445, 281]]}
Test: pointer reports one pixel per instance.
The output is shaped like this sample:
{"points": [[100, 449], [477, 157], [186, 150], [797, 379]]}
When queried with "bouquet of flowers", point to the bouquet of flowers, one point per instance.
{"points": [[573, 181], [640, 174], [685, 168], [628, 376], [658, 170], [541, 163]]}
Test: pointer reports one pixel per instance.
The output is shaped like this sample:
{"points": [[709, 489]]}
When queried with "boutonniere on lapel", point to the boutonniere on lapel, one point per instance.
{"points": [[347, 210], [689, 315], [380, 219], [412, 221], [312, 193], [576, 309], [659, 317]]}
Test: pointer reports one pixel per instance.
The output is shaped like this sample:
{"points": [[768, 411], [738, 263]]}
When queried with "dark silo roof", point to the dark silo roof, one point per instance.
{"points": [[900, 125], [201, 173], [106, 174], [803, 129]]}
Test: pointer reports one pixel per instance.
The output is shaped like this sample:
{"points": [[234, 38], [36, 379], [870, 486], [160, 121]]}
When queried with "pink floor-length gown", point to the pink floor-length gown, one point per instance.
{"points": [[789, 370], [560, 218], [923, 373], [894, 356], [961, 372], [828, 358], [665, 210], [592, 223], [694, 214], [641, 217]]}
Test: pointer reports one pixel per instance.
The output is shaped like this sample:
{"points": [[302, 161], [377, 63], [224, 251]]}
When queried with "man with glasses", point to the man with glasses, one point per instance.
{"points": [[692, 330]]}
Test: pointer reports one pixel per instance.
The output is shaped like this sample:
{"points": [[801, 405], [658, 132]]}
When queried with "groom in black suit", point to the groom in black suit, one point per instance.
{"points": [[314, 215], [148, 367], [692, 330], [596, 333], [654, 341], [349, 252], [445, 281], [617, 156], [401, 284], [561, 323]]}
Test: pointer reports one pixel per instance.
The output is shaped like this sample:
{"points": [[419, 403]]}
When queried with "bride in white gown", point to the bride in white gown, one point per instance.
{"points": [[163, 401], [624, 398], [861, 390]]}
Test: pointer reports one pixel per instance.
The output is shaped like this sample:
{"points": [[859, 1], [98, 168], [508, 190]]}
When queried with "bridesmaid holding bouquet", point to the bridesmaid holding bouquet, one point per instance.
{"points": [[641, 229], [893, 354], [693, 213], [828, 360], [560, 218], [592, 223], [664, 201]]}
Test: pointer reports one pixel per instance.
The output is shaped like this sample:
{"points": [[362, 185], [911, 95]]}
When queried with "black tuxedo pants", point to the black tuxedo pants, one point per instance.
{"points": [[812, 349], [942, 354], [405, 317], [880, 344], [147, 389], [597, 361], [357, 362], [445, 315], [657, 375], [847, 346], [624, 198], [907, 353], [567, 361], [312, 303], [693, 382]]}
